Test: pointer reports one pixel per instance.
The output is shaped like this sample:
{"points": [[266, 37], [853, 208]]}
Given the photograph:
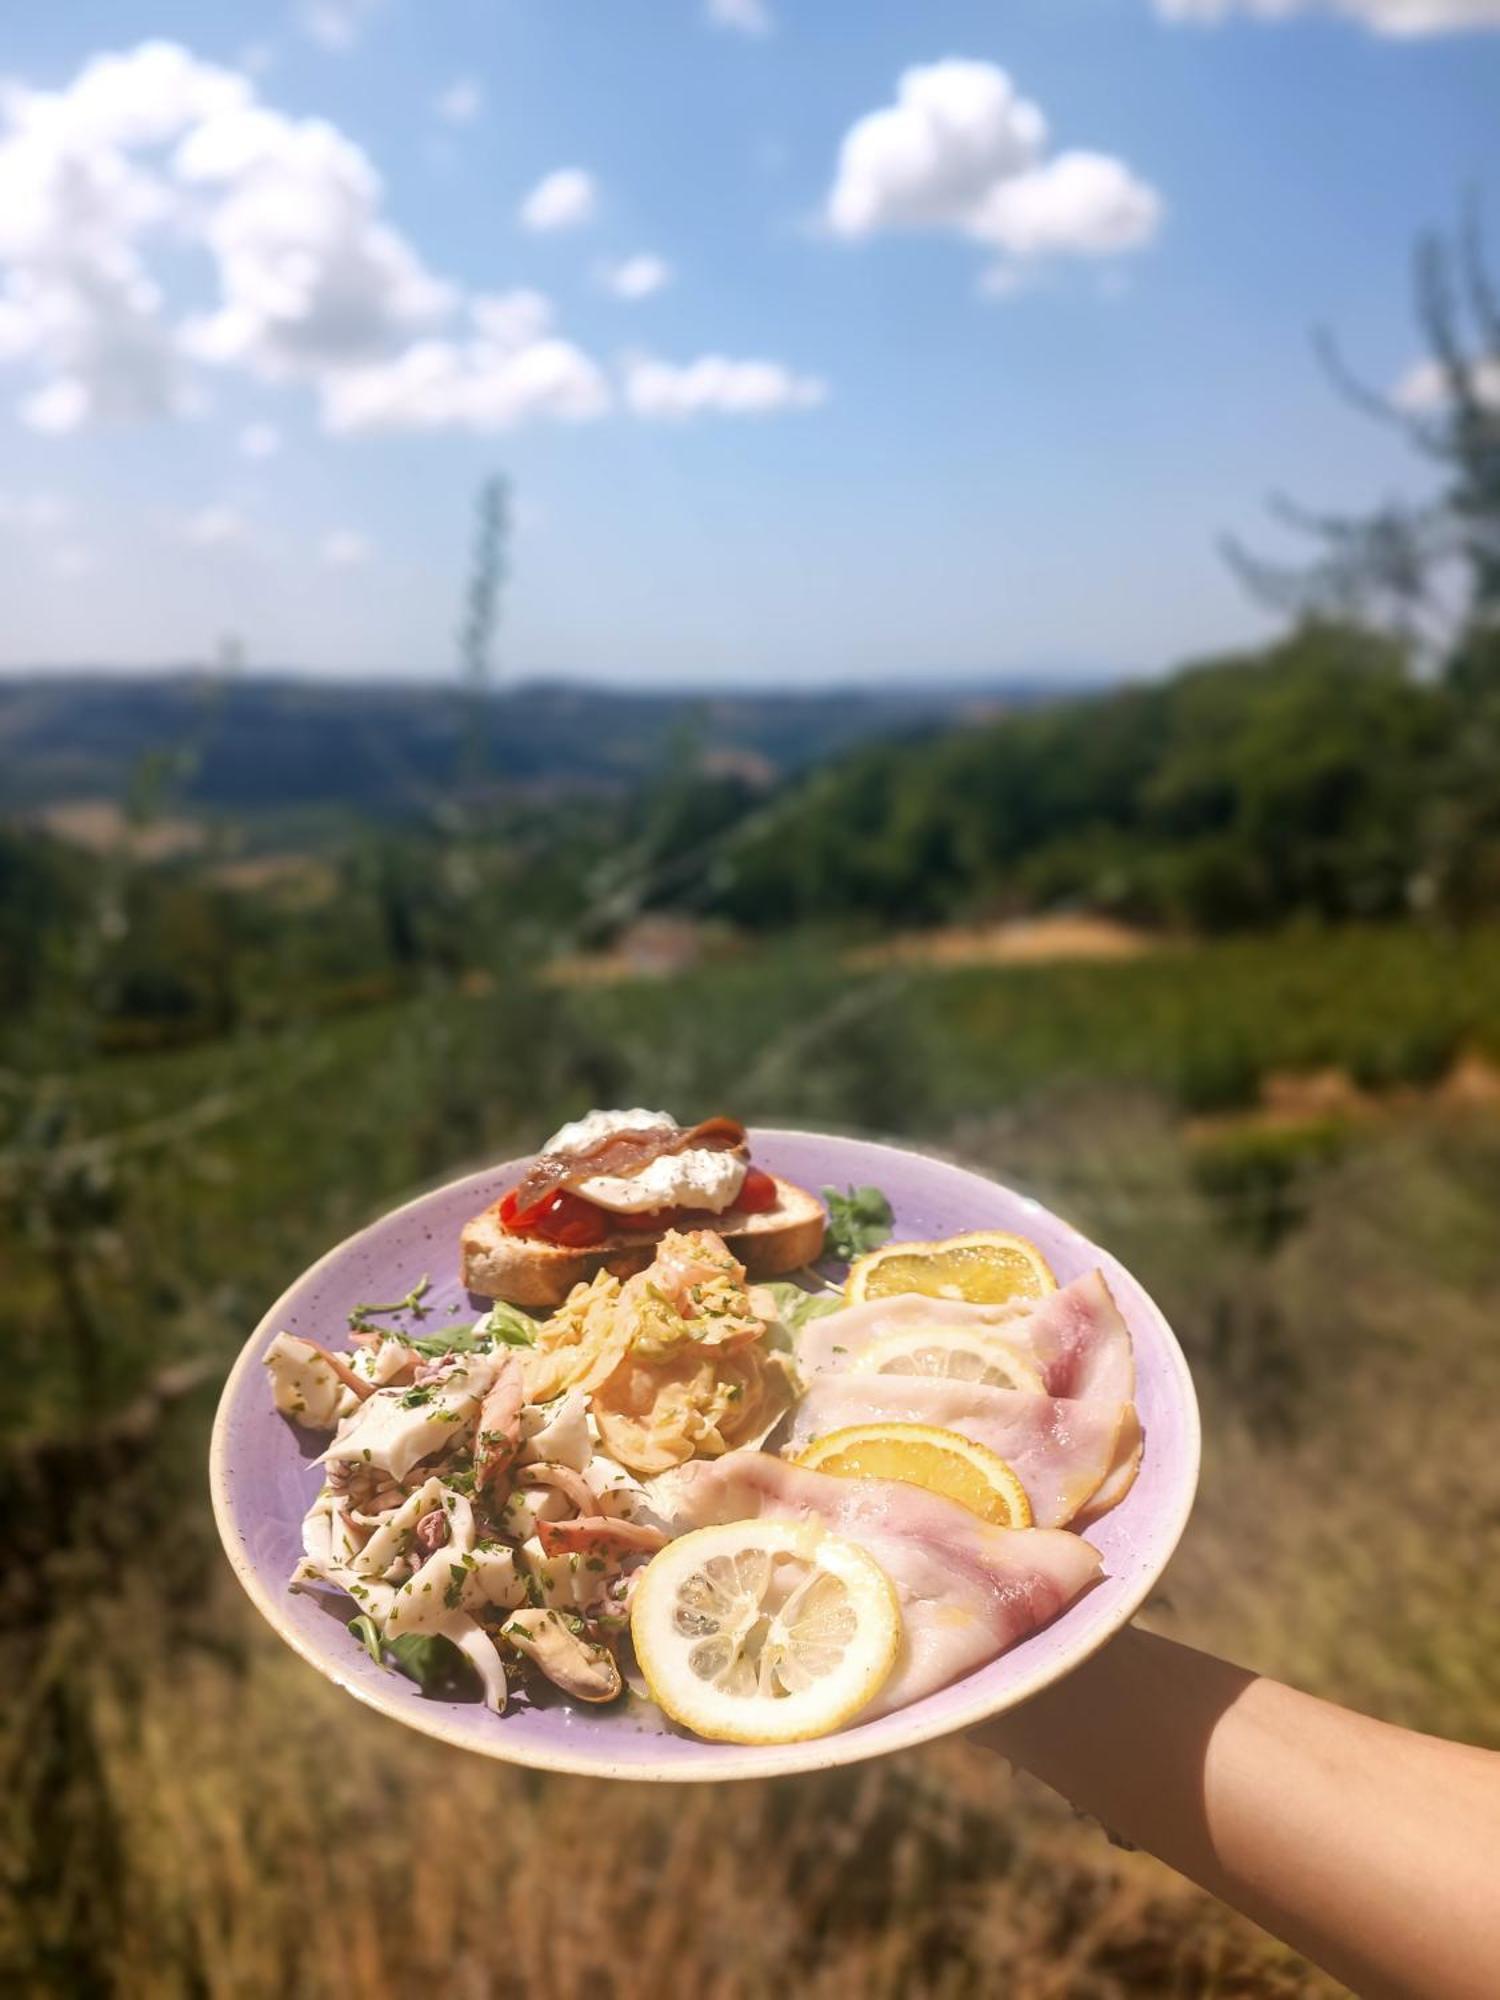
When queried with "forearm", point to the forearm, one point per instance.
{"points": [[1373, 1850]]}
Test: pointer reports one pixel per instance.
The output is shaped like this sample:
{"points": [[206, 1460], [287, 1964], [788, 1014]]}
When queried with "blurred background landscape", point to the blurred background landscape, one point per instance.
{"points": [[997, 774]]}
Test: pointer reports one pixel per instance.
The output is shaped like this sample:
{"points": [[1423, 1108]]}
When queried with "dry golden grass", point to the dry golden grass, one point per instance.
{"points": [[1024, 941]]}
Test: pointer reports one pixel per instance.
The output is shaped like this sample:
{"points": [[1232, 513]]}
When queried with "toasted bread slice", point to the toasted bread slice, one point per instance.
{"points": [[530, 1272]]}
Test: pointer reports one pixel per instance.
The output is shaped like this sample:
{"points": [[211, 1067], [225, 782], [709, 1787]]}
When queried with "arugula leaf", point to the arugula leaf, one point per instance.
{"points": [[795, 1307], [434, 1663], [364, 1629], [857, 1221]]}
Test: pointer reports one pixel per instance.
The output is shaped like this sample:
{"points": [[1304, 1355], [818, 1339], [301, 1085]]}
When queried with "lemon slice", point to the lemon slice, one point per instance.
{"points": [[951, 1352], [986, 1267], [764, 1631], [942, 1461]]}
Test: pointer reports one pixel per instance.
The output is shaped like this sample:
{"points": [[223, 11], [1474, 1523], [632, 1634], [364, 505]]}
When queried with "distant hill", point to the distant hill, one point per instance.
{"points": [[257, 743]]}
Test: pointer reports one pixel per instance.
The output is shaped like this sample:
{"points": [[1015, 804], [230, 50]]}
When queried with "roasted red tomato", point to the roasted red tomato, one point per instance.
{"points": [[578, 1224], [758, 1194], [563, 1217]]}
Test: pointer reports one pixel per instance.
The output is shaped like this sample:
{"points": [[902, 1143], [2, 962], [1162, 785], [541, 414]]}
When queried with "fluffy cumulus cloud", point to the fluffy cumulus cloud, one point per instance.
{"points": [[670, 390], [962, 150], [143, 153], [742, 17], [636, 277], [565, 199], [509, 366], [105, 184], [1402, 18]]}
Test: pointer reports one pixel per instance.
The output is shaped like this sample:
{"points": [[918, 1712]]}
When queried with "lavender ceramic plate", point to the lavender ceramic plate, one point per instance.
{"points": [[263, 1480]]}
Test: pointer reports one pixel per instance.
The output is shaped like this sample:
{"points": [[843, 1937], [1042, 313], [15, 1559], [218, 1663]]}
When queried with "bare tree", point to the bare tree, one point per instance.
{"points": [[1428, 569]]}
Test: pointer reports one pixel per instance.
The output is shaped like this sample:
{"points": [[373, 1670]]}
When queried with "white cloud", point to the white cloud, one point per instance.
{"points": [[461, 103], [213, 527], [510, 369], [77, 302], [636, 277], [1423, 389], [343, 548], [1084, 204], [745, 17], [335, 25], [670, 390], [1402, 19], [260, 440], [311, 277], [152, 160], [564, 199], [962, 150], [155, 149], [72, 560]]}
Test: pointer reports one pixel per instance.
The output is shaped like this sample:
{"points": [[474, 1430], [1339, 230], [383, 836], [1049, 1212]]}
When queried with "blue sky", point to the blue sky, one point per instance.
{"points": [[959, 376]]}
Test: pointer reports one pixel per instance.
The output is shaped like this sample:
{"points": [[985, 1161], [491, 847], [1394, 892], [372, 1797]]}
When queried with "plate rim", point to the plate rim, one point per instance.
{"points": [[761, 1760]]}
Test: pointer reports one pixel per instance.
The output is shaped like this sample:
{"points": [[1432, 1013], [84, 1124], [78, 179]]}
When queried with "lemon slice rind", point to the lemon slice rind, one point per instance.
{"points": [[986, 1267], [943, 1352], [940, 1461], [721, 1656]]}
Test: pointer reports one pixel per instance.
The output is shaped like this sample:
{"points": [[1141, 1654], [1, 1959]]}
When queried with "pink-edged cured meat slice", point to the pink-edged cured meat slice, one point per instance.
{"points": [[968, 1591], [1076, 1339], [1061, 1450]]}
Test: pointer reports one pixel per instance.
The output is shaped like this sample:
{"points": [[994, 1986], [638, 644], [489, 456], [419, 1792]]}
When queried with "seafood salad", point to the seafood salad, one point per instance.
{"points": [[771, 1509]]}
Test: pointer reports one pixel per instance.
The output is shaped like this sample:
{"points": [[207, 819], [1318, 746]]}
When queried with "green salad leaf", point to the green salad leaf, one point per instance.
{"points": [[857, 1221], [366, 1631], [509, 1325], [456, 1340], [506, 1324], [433, 1662], [796, 1306]]}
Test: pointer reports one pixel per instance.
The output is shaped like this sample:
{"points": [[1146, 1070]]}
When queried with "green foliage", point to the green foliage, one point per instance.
{"points": [[858, 1220], [1239, 793]]}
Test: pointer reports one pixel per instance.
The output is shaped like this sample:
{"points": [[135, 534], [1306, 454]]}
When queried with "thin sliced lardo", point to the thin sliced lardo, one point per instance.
{"points": [[1062, 1451], [967, 1591], [1076, 1340]]}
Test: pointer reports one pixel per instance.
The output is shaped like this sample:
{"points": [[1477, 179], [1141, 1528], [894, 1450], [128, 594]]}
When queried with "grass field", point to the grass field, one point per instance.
{"points": [[190, 1811]]}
